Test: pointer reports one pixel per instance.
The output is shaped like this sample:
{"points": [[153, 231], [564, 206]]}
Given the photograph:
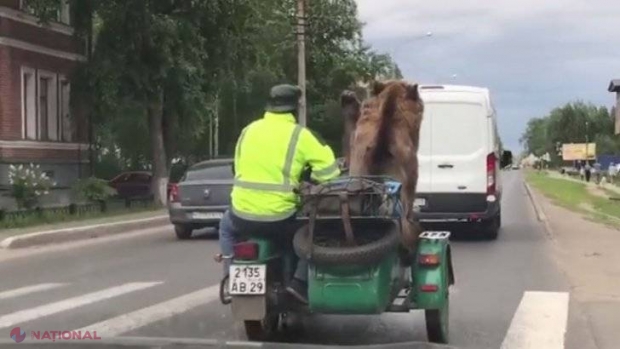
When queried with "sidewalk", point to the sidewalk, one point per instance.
{"points": [[588, 254], [82, 229]]}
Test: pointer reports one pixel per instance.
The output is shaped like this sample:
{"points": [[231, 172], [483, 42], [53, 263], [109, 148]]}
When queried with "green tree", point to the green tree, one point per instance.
{"points": [[571, 123], [160, 72], [534, 138]]}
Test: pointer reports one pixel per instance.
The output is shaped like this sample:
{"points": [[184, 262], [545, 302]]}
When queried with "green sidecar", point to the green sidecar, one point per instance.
{"points": [[350, 235]]}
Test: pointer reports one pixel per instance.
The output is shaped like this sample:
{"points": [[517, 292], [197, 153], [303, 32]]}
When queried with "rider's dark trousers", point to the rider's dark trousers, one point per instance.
{"points": [[232, 226]]}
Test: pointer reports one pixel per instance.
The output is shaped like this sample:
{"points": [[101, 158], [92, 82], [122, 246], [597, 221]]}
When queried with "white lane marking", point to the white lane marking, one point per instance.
{"points": [[145, 316], [28, 289], [539, 322], [70, 303]]}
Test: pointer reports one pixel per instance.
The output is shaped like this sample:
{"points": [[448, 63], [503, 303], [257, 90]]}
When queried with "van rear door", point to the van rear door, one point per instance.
{"points": [[424, 157], [459, 144]]}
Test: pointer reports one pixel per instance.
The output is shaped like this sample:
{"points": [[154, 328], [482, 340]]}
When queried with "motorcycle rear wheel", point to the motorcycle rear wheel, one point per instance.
{"points": [[263, 330]]}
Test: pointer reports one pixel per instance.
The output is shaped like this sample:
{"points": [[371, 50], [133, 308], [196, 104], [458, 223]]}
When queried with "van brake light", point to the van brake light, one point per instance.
{"points": [[491, 173]]}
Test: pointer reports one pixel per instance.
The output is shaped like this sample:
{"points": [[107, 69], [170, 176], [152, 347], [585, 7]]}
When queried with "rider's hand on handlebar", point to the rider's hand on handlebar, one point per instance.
{"points": [[306, 176], [343, 166]]}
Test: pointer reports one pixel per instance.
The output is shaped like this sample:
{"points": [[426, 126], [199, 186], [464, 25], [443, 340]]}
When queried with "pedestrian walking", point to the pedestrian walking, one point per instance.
{"points": [[588, 172]]}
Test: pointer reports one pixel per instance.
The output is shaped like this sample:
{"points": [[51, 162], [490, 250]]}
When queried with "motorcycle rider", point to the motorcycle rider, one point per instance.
{"points": [[270, 157]]}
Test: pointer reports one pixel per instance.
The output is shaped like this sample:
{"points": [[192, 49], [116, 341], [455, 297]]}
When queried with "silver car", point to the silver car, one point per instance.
{"points": [[201, 197]]}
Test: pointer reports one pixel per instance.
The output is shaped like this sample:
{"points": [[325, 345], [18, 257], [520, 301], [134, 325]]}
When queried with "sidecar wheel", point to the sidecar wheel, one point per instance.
{"points": [[437, 325], [438, 322], [264, 330]]}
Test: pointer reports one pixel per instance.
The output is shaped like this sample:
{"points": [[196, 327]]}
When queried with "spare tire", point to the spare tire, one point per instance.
{"points": [[368, 254]]}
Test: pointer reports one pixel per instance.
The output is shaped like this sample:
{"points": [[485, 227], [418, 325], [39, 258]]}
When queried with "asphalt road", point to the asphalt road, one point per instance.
{"points": [[149, 284]]}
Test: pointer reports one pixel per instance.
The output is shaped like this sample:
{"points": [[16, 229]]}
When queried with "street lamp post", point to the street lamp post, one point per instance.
{"points": [[587, 141], [301, 58], [427, 35]]}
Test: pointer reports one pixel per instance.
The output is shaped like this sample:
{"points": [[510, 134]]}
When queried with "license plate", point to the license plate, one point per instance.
{"points": [[247, 279], [207, 215], [419, 202]]}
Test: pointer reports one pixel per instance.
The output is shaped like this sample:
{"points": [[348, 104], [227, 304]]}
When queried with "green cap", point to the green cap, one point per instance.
{"points": [[283, 98]]}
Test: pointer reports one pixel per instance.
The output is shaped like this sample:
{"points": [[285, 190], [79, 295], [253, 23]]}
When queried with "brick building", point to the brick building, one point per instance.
{"points": [[37, 123]]}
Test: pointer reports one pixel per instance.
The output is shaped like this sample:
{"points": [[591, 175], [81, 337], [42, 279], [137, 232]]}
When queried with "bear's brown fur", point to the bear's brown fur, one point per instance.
{"points": [[382, 135]]}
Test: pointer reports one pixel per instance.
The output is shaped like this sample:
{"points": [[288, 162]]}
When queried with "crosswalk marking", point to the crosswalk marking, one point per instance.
{"points": [[27, 290], [539, 322], [139, 318], [70, 303]]}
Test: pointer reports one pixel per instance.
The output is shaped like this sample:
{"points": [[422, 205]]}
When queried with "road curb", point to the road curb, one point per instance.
{"points": [[540, 214], [82, 233]]}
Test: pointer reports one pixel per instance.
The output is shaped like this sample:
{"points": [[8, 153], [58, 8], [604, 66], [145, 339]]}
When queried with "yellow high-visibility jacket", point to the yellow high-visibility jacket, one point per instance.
{"points": [[270, 156]]}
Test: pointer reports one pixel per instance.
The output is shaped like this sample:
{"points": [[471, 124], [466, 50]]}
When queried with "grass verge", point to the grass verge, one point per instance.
{"points": [[576, 197], [35, 224]]}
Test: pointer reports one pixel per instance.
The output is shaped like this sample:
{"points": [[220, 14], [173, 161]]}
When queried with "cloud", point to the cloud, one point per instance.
{"points": [[533, 55]]}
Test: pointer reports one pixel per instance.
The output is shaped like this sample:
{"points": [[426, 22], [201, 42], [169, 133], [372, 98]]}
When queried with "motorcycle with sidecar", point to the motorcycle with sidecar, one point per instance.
{"points": [[350, 234]]}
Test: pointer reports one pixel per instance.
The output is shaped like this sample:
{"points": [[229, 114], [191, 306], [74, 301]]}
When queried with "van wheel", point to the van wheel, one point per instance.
{"points": [[490, 229], [183, 232]]}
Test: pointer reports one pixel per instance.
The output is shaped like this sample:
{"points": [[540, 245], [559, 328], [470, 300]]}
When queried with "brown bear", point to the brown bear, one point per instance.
{"points": [[382, 137]]}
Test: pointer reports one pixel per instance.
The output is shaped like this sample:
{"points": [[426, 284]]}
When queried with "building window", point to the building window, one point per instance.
{"points": [[44, 108], [29, 104], [66, 126], [63, 15], [25, 6], [48, 106]]}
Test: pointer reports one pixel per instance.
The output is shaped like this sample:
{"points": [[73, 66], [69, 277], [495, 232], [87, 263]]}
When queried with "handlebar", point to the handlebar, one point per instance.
{"points": [[306, 176]]}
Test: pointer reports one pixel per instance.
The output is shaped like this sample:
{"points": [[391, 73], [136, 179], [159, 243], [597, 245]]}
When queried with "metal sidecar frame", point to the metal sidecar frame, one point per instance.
{"points": [[386, 279]]}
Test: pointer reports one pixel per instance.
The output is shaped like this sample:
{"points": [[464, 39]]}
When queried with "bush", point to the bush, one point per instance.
{"points": [[28, 184], [94, 189]]}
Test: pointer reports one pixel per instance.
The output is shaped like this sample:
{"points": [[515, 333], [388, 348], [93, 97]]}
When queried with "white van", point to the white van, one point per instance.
{"points": [[459, 159]]}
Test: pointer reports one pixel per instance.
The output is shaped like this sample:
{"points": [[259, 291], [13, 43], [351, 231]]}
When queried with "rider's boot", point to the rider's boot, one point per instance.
{"points": [[299, 290]]}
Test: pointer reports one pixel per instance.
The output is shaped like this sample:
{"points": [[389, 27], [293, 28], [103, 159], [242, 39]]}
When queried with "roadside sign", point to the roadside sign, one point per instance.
{"points": [[577, 151]]}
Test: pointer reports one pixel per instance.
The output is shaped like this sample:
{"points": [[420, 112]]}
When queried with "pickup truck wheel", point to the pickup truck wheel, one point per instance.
{"points": [[183, 232]]}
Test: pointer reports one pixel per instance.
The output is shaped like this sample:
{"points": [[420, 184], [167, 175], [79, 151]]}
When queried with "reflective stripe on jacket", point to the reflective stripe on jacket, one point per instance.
{"points": [[270, 156]]}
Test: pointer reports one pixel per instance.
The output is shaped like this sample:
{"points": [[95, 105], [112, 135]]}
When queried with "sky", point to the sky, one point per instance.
{"points": [[533, 55]]}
